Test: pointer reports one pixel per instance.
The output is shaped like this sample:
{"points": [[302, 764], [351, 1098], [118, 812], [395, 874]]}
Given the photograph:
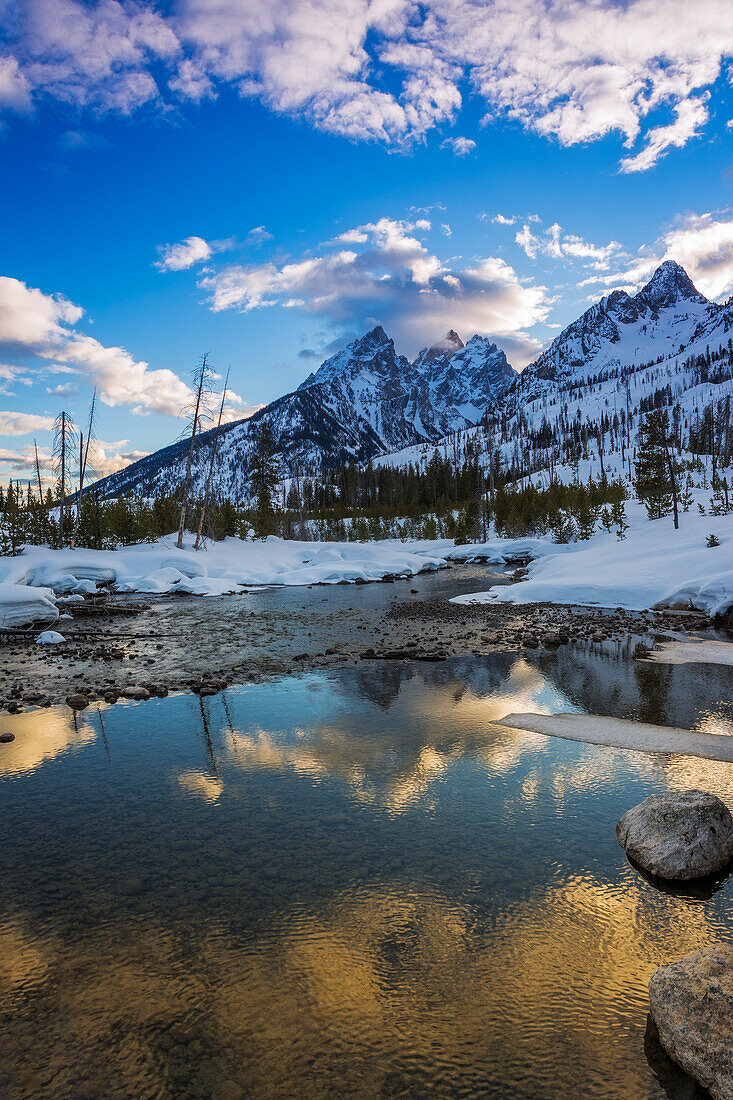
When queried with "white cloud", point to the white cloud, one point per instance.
{"points": [[73, 140], [104, 459], [701, 243], [258, 235], [388, 276], [17, 423], [499, 219], [108, 458], [22, 461], [184, 254], [41, 327], [15, 91], [460, 146], [566, 69], [691, 116], [559, 245]]}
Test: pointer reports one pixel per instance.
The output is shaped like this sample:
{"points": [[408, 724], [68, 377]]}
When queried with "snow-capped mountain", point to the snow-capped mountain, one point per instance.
{"points": [[667, 343], [621, 330], [364, 400], [667, 346]]}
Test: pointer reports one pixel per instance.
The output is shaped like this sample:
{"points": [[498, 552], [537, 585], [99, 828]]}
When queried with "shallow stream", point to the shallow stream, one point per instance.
{"points": [[347, 883]]}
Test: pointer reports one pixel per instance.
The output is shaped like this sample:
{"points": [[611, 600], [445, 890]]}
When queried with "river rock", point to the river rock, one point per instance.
{"points": [[136, 691], [6, 738], [680, 835], [691, 1004], [77, 701]]}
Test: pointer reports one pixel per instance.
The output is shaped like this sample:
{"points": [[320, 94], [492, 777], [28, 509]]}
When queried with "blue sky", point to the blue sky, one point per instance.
{"points": [[263, 182]]}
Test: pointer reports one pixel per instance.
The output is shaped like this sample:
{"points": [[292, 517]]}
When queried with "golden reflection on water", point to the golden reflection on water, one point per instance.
{"points": [[389, 985], [335, 998], [41, 736]]}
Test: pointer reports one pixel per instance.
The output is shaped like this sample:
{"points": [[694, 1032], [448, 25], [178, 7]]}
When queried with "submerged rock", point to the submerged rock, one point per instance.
{"points": [[77, 701], [691, 1004], [6, 738], [681, 835]]}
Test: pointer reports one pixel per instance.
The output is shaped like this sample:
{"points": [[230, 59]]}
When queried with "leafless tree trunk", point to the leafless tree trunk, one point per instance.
{"points": [[64, 433], [673, 482], [201, 378], [211, 463], [83, 460], [42, 511]]}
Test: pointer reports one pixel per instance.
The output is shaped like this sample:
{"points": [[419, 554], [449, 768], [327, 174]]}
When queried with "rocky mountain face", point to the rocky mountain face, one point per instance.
{"points": [[364, 400], [621, 331], [367, 401]]}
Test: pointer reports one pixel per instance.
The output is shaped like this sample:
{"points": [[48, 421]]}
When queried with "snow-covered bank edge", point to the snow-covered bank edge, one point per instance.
{"points": [[653, 567], [31, 582]]}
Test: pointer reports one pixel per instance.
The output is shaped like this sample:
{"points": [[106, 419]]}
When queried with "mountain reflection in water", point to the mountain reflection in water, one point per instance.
{"points": [[346, 884]]}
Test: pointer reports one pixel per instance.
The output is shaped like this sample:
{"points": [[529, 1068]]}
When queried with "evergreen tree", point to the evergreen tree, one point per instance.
{"points": [[652, 480], [264, 477]]}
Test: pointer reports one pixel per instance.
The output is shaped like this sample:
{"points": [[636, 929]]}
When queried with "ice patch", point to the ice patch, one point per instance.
{"points": [[686, 652], [623, 734]]}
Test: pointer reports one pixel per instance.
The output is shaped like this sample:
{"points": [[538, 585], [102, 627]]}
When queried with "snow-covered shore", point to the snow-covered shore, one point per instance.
{"points": [[654, 566], [28, 581]]}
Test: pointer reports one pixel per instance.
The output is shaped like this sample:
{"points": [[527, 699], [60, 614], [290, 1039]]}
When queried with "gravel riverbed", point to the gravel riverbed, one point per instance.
{"points": [[203, 644]]}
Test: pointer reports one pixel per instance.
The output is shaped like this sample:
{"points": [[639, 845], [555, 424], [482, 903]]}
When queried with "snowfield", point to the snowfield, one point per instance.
{"points": [[654, 566]]}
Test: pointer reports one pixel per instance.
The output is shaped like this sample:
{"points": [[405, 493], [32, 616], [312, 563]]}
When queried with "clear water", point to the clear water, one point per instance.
{"points": [[347, 884]]}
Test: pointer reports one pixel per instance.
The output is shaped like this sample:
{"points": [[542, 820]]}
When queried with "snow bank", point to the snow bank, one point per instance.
{"points": [[20, 605], [225, 567], [654, 567]]}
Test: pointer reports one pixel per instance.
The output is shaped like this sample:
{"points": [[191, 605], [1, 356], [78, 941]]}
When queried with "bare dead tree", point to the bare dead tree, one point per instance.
{"points": [[38, 472], [64, 435], [211, 463], [84, 459], [42, 511], [201, 380]]}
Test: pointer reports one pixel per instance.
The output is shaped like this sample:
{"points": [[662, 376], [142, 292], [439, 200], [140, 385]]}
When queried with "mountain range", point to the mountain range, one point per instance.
{"points": [[367, 401]]}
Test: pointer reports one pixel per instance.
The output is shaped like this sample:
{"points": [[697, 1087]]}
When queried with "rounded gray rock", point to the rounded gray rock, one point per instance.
{"points": [[691, 1003], [681, 835], [77, 701]]}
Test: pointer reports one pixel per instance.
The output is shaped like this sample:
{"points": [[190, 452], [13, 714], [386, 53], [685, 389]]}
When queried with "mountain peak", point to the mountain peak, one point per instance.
{"points": [[670, 283], [440, 352], [375, 336]]}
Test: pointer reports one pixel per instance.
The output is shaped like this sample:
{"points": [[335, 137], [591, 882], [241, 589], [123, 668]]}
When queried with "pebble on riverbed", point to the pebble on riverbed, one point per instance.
{"points": [[679, 835]]}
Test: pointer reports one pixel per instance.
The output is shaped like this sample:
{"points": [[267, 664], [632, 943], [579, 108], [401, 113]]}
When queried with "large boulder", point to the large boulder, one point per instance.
{"points": [[680, 835], [692, 1006]]}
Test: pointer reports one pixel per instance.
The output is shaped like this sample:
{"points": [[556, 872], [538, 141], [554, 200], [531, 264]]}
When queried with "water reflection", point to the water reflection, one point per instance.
{"points": [[346, 884]]}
